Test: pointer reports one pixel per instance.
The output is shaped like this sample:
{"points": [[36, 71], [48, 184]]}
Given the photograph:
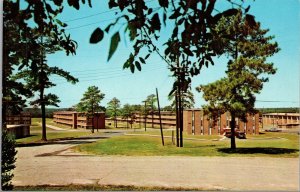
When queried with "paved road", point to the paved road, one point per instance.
{"points": [[56, 164]]}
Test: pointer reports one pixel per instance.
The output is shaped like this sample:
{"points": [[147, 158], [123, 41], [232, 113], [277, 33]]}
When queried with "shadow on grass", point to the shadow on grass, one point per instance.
{"points": [[66, 140], [258, 150]]}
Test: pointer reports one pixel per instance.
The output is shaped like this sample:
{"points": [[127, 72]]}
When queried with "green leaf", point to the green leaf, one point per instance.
{"points": [[251, 20], [114, 42], [163, 3], [138, 65], [142, 60], [132, 68], [96, 36], [74, 3], [155, 22], [147, 56], [247, 9]]}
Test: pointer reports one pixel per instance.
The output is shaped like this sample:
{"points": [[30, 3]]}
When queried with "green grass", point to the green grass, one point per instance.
{"points": [[36, 137], [256, 146], [36, 132], [49, 121]]}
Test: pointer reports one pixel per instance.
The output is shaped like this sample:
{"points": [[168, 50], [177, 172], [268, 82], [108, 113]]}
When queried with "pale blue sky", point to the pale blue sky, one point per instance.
{"points": [[91, 67]]}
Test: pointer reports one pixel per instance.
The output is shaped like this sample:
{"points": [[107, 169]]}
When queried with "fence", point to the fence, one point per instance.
{"points": [[75, 119]]}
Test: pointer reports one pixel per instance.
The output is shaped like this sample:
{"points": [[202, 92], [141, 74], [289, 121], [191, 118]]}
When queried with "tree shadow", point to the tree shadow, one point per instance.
{"points": [[66, 140], [258, 150]]}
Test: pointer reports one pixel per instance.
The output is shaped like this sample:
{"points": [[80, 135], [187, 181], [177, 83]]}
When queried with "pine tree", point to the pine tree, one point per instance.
{"points": [[90, 102], [113, 108], [247, 47]]}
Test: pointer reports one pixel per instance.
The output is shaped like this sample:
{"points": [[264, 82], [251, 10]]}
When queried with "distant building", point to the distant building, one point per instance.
{"points": [[281, 120], [197, 123], [75, 119]]}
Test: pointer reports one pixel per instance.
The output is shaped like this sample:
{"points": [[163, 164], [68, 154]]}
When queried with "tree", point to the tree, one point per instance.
{"points": [[188, 100], [189, 47], [90, 102], [113, 108], [18, 29], [150, 106], [37, 77], [128, 112], [248, 47], [8, 160]]}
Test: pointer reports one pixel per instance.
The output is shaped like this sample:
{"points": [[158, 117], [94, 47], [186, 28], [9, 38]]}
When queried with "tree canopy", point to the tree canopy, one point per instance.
{"points": [[90, 102]]}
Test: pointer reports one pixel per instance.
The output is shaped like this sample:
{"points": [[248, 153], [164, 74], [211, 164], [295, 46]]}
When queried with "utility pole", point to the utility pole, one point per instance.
{"points": [[161, 131]]}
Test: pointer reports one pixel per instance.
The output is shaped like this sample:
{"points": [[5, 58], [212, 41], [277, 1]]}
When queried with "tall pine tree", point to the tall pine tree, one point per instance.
{"points": [[247, 47]]}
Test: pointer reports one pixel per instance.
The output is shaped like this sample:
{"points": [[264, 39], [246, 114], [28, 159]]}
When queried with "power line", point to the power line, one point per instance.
{"points": [[270, 101], [103, 77], [95, 14], [88, 16]]}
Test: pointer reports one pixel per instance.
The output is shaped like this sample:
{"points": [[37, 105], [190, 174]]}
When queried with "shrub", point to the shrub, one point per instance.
{"points": [[8, 160]]}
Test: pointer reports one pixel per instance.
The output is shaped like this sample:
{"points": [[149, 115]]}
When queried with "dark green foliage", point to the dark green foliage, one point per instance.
{"points": [[97, 36], [113, 109], [188, 100], [7, 160], [90, 102], [36, 113], [115, 39]]}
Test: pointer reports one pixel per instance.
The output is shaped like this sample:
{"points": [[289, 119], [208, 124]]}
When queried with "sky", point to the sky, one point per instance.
{"points": [[90, 64]]}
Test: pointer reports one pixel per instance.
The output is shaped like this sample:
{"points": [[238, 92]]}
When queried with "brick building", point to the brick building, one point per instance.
{"points": [[281, 120], [75, 119], [197, 123]]}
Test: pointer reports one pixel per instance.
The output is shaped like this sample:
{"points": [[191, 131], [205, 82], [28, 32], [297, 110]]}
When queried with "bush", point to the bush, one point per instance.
{"points": [[8, 160]]}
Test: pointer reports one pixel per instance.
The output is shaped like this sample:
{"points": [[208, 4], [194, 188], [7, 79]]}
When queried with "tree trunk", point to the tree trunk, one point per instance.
{"points": [[127, 123], [43, 108], [232, 126]]}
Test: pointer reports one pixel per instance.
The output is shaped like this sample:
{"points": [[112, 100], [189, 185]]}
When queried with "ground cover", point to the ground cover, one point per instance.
{"points": [[36, 133], [49, 121], [268, 144]]}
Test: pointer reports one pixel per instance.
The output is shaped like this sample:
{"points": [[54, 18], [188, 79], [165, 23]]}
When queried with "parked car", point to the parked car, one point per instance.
{"points": [[273, 129]]}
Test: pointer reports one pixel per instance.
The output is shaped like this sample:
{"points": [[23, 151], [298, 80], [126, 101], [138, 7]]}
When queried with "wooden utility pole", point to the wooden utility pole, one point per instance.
{"points": [[161, 131]]}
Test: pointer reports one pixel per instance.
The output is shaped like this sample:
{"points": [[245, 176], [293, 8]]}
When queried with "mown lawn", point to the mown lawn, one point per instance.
{"points": [[36, 132], [269, 144]]}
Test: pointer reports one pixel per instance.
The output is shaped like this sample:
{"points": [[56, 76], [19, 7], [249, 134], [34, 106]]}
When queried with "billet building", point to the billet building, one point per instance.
{"points": [[75, 119], [281, 120], [197, 123]]}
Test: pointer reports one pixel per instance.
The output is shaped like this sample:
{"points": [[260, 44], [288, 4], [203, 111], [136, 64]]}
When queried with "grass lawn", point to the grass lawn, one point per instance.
{"points": [[49, 121], [36, 132], [266, 145]]}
